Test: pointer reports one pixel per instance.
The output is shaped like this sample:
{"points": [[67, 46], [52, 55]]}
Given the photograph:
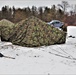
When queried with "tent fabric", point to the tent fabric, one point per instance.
{"points": [[34, 32], [6, 29]]}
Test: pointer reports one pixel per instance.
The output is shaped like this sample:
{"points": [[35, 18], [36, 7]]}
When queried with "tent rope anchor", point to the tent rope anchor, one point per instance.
{"points": [[1, 55]]}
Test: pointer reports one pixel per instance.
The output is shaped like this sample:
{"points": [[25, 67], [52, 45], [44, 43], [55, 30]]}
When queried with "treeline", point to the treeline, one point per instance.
{"points": [[44, 13]]}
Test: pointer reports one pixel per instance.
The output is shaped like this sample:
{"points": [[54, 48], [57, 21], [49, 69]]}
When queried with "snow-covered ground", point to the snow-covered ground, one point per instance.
{"points": [[54, 59]]}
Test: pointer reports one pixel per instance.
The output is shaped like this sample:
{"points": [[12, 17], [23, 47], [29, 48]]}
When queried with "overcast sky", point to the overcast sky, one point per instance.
{"points": [[26, 3]]}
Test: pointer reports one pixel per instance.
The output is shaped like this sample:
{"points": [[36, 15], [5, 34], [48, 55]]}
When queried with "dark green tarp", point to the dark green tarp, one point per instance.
{"points": [[34, 32], [6, 29]]}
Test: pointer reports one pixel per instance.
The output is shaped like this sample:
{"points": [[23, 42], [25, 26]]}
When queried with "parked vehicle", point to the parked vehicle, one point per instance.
{"points": [[56, 23]]}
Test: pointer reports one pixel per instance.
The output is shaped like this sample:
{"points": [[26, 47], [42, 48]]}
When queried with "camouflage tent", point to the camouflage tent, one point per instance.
{"points": [[6, 29], [33, 32]]}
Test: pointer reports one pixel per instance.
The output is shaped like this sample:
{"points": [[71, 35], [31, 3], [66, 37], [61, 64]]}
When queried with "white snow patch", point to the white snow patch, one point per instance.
{"points": [[71, 30], [42, 60]]}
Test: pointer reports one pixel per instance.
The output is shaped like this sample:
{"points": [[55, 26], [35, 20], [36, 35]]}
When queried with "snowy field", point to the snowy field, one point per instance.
{"points": [[54, 59]]}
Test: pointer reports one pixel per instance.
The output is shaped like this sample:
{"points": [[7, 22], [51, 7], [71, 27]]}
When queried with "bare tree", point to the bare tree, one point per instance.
{"points": [[64, 5], [40, 9], [34, 10], [75, 8]]}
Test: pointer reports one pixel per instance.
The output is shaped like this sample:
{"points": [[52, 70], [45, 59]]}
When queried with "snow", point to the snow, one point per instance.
{"points": [[71, 30], [46, 60]]}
